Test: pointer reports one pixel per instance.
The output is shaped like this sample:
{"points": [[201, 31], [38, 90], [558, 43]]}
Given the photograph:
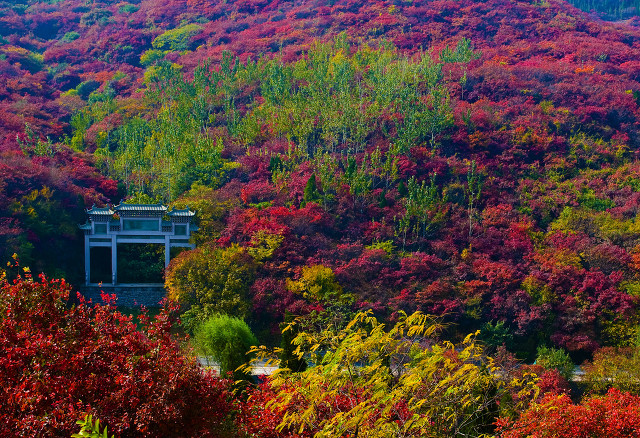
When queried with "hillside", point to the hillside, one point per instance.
{"points": [[476, 160], [50, 48]]}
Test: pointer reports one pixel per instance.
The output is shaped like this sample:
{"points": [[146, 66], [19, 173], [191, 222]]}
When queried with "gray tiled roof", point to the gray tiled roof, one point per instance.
{"points": [[183, 212], [100, 211], [140, 207], [140, 210]]}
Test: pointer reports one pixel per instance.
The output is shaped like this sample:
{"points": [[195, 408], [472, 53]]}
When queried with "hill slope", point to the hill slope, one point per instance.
{"points": [[471, 159]]}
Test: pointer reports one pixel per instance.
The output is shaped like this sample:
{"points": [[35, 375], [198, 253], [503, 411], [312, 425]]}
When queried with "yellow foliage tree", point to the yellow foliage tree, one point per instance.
{"points": [[317, 283], [368, 382], [210, 280]]}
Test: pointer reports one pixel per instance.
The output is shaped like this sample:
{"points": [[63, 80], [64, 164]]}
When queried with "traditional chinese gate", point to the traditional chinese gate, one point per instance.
{"points": [[134, 223]]}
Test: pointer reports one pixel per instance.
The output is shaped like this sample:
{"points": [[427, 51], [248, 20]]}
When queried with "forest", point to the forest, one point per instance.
{"points": [[426, 212]]}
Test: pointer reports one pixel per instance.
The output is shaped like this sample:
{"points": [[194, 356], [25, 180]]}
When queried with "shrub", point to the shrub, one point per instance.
{"points": [[556, 358], [615, 415], [151, 56], [227, 340], [86, 88], [613, 368], [176, 40], [70, 36], [90, 429], [128, 9]]}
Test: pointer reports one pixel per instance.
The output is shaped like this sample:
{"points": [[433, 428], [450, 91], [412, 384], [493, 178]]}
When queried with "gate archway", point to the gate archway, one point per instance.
{"points": [[107, 227]]}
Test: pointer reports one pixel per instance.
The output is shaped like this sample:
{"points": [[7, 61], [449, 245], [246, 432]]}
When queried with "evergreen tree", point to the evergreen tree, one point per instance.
{"points": [[310, 190]]}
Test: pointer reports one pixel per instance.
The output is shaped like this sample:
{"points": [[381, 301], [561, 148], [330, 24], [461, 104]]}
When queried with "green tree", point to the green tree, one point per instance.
{"points": [[423, 210], [310, 193], [288, 359], [472, 192], [495, 335]]}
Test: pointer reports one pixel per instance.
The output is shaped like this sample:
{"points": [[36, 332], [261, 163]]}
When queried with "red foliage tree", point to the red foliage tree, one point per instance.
{"points": [[59, 362]]}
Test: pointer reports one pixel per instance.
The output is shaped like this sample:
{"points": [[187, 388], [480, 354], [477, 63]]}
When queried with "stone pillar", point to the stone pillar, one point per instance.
{"points": [[167, 251], [114, 260], [87, 260]]}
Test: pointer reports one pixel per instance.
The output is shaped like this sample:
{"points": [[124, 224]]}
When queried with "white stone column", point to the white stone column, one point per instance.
{"points": [[87, 260], [114, 260], [167, 251]]}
